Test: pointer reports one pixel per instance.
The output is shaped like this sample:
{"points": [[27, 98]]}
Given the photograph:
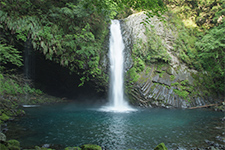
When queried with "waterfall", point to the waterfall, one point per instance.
{"points": [[116, 96], [29, 61], [29, 65]]}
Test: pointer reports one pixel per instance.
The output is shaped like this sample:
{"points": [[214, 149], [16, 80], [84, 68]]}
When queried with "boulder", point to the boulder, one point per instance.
{"points": [[3, 147], [2, 137], [161, 146], [90, 147], [4, 117], [13, 143], [73, 148]]}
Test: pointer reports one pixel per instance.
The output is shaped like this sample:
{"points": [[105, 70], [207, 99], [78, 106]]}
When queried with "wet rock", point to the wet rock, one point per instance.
{"points": [[223, 119], [46, 145], [219, 128], [11, 147], [164, 68], [156, 103], [210, 143], [163, 105], [161, 146], [4, 117], [165, 79], [73, 148], [169, 71], [221, 138], [14, 143], [168, 107], [2, 137], [90, 147], [212, 148], [155, 78], [214, 145]]}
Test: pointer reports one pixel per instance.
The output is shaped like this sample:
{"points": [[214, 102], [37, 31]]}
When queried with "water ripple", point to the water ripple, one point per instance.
{"points": [[142, 129]]}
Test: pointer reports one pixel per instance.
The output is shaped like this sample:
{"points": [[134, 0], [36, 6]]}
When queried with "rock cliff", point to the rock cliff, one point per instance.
{"points": [[170, 84]]}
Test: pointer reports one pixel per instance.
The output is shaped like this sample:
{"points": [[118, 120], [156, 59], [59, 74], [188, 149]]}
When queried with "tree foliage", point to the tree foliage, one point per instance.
{"points": [[204, 13], [69, 32], [8, 54], [202, 45], [151, 51], [211, 53]]}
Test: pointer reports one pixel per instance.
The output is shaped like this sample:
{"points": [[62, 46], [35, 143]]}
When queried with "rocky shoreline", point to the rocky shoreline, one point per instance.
{"points": [[15, 145]]}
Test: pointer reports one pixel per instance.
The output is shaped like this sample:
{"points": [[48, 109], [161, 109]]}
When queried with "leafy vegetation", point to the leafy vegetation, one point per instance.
{"points": [[8, 86], [182, 89], [200, 42], [133, 75], [8, 54], [161, 146], [200, 13], [70, 43], [152, 50], [211, 53], [172, 77], [71, 33], [146, 53]]}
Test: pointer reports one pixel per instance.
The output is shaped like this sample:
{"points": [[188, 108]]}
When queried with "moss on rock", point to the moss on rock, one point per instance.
{"points": [[13, 143], [161, 146], [3, 147], [4, 117], [2, 137], [42, 148], [72, 148], [12, 147], [90, 147]]}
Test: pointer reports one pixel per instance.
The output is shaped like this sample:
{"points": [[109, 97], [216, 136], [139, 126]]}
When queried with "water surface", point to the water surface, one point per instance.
{"points": [[74, 125]]}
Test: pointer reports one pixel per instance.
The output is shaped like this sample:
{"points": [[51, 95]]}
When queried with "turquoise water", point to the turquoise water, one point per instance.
{"points": [[74, 125]]}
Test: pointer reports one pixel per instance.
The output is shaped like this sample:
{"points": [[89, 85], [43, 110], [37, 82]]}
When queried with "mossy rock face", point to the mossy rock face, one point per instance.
{"points": [[20, 112], [73, 148], [3, 147], [4, 117], [91, 147], [161, 146], [169, 71], [12, 147], [13, 143]]}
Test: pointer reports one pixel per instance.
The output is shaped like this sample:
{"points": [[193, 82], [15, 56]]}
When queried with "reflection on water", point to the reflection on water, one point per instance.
{"points": [[72, 125], [117, 130]]}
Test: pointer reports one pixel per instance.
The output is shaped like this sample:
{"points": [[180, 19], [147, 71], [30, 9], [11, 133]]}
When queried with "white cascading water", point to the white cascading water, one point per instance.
{"points": [[117, 101]]}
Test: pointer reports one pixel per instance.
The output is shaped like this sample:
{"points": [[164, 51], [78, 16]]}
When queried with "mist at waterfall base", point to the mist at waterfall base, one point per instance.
{"points": [[116, 95], [71, 124]]}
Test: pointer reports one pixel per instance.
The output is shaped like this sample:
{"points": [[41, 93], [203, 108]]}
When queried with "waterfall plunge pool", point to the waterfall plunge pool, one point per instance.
{"points": [[74, 125]]}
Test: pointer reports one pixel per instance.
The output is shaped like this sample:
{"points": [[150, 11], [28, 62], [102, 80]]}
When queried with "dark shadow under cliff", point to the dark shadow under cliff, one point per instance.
{"points": [[58, 81]]}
